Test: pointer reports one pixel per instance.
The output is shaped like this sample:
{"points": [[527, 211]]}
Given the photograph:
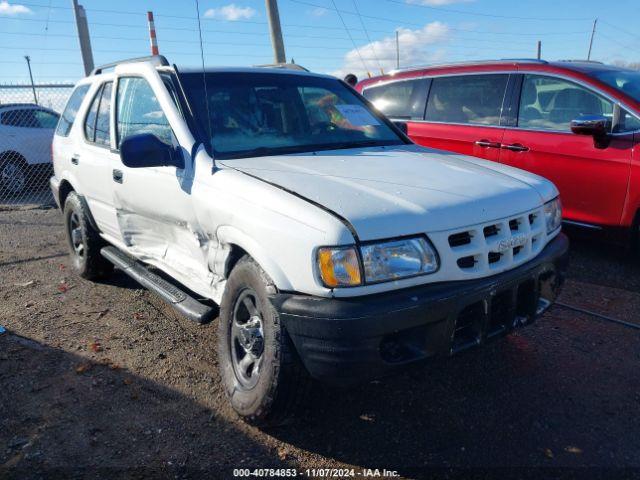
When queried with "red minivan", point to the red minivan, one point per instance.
{"points": [[576, 123]]}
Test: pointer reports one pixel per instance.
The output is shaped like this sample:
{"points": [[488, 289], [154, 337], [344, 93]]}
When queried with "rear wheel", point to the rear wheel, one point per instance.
{"points": [[13, 174], [260, 371], [84, 241]]}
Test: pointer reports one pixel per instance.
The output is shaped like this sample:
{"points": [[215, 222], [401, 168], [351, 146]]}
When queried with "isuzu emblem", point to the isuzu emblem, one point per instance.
{"points": [[512, 242]]}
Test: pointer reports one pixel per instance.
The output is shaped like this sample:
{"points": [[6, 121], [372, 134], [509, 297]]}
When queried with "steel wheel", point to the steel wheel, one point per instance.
{"points": [[75, 234], [247, 339], [12, 177]]}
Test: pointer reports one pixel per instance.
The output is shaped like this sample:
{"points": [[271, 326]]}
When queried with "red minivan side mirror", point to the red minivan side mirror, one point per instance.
{"points": [[597, 126]]}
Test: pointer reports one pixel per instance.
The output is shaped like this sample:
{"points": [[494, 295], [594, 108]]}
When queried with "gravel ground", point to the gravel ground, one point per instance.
{"points": [[103, 380]]}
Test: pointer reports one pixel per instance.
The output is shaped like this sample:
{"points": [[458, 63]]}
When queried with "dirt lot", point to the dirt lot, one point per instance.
{"points": [[103, 380]]}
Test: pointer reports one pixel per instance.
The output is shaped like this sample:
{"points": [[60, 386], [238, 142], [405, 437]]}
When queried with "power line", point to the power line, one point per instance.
{"points": [[373, 48], [349, 34], [396, 21], [489, 15]]}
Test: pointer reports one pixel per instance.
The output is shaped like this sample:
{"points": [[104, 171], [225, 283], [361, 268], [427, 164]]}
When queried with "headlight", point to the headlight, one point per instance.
{"points": [[553, 214], [397, 259], [339, 267]]}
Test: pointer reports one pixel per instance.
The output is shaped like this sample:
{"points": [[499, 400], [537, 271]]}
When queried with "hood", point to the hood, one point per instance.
{"points": [[392, 191]]}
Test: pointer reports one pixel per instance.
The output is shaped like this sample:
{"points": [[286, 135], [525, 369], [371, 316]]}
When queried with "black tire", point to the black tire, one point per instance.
{"points": [[84, 241], [13, 174], [270, 391]]}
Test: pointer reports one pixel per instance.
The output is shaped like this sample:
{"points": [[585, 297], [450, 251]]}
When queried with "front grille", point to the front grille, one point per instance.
{"points": [[466, 262], [493, 247], [459, 239], [494, 257], [490, 231]]}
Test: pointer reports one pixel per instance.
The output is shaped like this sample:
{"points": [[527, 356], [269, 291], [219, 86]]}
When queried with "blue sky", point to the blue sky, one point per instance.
{"points": [[236, 32]]}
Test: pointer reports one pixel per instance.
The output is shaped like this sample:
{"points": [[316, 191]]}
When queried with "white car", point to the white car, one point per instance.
{"points": [[26, 132], [335, 248]]}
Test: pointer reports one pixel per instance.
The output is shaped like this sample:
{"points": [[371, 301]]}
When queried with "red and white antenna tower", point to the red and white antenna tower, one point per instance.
{"points": [[152, 34]]}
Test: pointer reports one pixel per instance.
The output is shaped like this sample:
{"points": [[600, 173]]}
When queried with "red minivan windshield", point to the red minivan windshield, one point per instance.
{"points": [[626, 81]]}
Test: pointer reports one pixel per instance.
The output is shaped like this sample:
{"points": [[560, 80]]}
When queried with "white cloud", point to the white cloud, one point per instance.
{"points": [[416, 47], [7, 9], [319, 12], [437, 3], [230, 12]]}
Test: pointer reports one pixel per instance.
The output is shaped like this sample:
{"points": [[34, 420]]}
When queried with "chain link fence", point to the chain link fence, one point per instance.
{"points": [[28, 118]]}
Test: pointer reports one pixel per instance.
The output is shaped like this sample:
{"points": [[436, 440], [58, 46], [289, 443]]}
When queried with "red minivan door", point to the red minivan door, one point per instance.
{"points": [[463, 115], [592, 180]]}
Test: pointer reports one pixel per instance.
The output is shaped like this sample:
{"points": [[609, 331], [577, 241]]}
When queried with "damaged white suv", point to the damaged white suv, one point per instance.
{"points": [[335, 248]]}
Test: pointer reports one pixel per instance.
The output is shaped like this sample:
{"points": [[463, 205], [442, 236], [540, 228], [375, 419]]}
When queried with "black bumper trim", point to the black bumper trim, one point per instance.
{"points": [[342, 340]]}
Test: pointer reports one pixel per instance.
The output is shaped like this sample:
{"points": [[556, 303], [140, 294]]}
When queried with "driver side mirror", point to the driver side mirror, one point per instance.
{"points": [[597, 126], [147, 150]]}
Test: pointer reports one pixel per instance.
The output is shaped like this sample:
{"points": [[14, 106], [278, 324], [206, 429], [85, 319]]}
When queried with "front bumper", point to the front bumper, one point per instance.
{"points": [[346, 340]]}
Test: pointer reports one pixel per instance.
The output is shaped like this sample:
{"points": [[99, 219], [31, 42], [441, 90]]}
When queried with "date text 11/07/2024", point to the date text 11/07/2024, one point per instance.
{"points": [[316, 472]]}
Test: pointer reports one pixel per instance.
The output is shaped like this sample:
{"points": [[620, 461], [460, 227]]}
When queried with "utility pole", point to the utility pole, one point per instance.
{"points": [[276, 31], [83, 36], [33, 87], [397, 51], [593, 33], [539, 49], [152, 34]]}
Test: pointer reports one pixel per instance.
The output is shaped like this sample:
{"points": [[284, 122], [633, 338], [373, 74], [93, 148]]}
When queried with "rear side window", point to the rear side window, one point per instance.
{"points": [[139, 111], [472, 99], [403, 99], [71, 110], [549, 103]]}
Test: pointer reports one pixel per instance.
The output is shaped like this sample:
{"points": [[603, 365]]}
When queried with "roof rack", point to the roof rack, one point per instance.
{"points": [[288, 66], [469, 62], [157, 60]]}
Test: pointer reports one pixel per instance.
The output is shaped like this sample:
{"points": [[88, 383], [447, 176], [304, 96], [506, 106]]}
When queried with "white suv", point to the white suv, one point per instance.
{"points": [[335, 248]]}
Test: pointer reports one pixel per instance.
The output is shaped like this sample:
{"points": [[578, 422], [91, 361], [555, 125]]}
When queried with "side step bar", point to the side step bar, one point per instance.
{"points": [[174, 296]]}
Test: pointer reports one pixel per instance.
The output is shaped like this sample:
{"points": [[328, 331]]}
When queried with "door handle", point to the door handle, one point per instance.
{"points": [[117, 176], [75, 159], [515, 147], [487, 144]]}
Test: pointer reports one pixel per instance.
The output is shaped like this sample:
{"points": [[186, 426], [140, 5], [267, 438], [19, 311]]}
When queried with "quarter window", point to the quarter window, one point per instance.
{"points": [[90, 120], [403, 99], [472, 99], [71, 110], [103, 125], [548, 103], [96, 125], [46, 119], [138, 111]]}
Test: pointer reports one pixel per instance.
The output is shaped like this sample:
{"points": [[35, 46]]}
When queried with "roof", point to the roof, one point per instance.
{"points": [[268, 69], [584, 67], [21, 105], [160, 61]]}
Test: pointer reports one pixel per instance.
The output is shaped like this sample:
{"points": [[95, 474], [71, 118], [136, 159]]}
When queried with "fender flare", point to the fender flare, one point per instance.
{"points": [[228, 235]]}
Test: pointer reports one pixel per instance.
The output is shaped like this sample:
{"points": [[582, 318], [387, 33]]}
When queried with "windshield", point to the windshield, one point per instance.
{"points": [[626, 81], [258, 114]]}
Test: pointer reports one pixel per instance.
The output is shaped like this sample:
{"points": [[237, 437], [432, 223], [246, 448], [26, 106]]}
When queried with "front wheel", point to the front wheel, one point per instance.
{"points": [[260, 371]]}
